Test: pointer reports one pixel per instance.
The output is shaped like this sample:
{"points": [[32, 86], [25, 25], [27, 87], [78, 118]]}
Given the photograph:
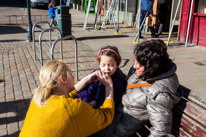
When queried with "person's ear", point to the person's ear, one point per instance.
{"points": [[62, 79]]}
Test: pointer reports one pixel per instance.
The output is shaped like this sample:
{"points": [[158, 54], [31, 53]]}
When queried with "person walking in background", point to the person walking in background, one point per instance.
{"points": [[162, 12], [51, 14], [145, 5]]}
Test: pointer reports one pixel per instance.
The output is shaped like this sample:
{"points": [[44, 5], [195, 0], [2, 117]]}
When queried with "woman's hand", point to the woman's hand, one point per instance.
{"points": [[106, 80], [92, 77], [81, 84]]}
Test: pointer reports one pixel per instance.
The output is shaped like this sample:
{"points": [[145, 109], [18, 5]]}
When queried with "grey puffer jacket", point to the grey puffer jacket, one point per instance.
{"points": [[150, 103]]}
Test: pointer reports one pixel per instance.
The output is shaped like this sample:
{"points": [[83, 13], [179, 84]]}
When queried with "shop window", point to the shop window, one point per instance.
{"points": [[132, 5], [201, 6]]}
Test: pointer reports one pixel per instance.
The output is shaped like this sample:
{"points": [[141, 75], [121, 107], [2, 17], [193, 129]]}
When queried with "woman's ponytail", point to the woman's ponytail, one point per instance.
{"points": [[41, 94]]}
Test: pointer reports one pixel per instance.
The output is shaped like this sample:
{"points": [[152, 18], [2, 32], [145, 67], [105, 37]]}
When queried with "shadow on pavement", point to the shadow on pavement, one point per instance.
{"points": [[102, 37], [2, 80], [15, 134], [11, 29], [12, 40]]}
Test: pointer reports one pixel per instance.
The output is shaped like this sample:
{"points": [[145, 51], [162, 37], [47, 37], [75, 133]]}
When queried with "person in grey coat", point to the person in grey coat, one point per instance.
{"points": [[153, 103]]}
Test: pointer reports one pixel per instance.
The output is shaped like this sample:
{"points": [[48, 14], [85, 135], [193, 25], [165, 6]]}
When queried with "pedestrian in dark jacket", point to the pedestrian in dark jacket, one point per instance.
{"points": [[162, 12], [145, 5], [108, 59]]}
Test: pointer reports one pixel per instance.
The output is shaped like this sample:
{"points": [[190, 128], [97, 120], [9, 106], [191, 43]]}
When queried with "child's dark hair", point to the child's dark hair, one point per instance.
{"points": [[154, 57], [111, 51]]}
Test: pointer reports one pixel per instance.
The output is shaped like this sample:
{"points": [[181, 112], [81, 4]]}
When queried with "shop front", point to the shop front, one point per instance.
{"points": [[197, 34]]}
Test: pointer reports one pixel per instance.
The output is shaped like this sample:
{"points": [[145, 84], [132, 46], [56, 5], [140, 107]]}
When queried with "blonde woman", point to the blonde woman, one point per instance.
{"points": [[55, 110]]}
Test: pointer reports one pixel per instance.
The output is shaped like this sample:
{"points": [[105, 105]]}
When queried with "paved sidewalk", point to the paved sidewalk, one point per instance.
{"points": [[20, 71]]}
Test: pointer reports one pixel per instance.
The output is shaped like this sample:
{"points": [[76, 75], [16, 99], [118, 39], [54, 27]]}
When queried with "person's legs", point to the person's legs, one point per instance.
{"points": [[56, 21], [51, 21], [143, 13], [152, 31], [160, 29], [71, 4]]}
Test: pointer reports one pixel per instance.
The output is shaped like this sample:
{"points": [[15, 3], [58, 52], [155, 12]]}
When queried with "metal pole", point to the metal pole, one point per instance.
{"points": [[104, 12], [110, 8], [117, 30], [139, 27], [29, 29], [139, 21], [85, 22], [173, 22], [171, 14], [114, 14], [76, 52], [125, 14], [136, 18], [33, 35], [97, 14], [40, 45], [189, 21]]}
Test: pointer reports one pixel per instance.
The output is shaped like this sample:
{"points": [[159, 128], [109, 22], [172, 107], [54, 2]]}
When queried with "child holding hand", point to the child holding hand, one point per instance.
{"points": [[109, 60]]}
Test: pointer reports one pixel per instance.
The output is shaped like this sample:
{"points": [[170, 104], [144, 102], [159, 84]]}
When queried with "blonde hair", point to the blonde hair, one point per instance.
{"points": [[48, 77]]}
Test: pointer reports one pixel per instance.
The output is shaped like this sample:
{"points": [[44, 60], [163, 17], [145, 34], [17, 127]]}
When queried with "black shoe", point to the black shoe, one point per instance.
{"points": [[141, 37], [155, 36]]}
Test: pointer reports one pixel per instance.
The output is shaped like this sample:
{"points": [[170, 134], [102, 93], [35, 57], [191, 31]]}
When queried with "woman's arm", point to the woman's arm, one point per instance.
{"points": [[82, 83]]}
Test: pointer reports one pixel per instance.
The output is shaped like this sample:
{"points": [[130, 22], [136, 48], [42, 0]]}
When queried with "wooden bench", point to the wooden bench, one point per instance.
{"points": [[189, 115]]}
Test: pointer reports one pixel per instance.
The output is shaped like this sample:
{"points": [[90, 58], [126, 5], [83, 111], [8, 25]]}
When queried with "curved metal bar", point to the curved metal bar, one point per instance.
{"points": [[33, 35], [40, 46], [76, 57]]}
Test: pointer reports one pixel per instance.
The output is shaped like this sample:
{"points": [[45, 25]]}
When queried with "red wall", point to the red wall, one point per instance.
{"points": [[197, 33]]}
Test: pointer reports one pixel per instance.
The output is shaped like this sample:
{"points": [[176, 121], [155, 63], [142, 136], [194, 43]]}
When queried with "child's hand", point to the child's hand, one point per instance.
{"points": [[93, 104], [104, 78]]}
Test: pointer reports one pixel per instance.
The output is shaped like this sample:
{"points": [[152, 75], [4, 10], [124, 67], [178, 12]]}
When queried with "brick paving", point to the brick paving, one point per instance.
{"points": [[20, 71]]}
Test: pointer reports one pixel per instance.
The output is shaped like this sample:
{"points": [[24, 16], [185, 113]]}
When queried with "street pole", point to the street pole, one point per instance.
{"points": [[29, 29]]}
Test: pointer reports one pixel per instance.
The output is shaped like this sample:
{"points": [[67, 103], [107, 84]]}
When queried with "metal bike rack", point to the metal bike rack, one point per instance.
{"points": [[33, 35], [40, 46], [76, 57]]}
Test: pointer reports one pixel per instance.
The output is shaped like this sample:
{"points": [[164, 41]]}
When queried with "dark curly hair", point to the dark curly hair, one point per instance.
{"points": [[154, 57], [110, 54]]}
